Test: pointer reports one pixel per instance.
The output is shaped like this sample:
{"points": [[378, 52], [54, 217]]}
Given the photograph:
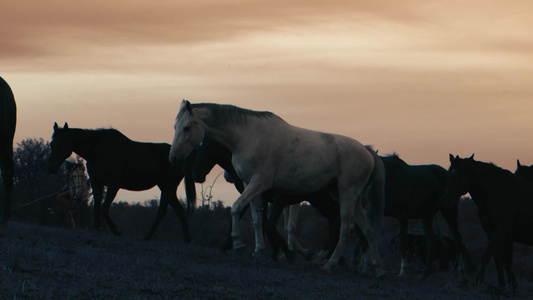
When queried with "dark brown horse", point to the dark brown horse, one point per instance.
{"points": [[505, 210], [116, 162], [8, 122]]}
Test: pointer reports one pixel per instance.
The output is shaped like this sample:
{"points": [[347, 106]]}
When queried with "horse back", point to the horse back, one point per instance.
{"points": [[134, 166], [301, 160]]}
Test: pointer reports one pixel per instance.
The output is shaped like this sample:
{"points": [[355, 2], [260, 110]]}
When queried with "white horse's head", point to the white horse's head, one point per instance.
{"points": [[189, 132]]}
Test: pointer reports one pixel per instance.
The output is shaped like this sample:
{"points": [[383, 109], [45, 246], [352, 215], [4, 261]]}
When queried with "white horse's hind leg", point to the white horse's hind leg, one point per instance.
{"points": [[347, 200], [372, 252], [257, 222]]}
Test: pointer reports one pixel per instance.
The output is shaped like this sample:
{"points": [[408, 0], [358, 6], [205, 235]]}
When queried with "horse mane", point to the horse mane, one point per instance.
{"points": [[226, 113], [394, 157], [109, 133], [488, 167]]}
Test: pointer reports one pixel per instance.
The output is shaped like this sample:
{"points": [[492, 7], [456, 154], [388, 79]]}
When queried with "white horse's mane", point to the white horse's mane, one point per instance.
{"points": [[224, 113]]}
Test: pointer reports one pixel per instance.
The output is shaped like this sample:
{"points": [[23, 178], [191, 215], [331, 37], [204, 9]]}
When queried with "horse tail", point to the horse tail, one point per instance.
{"points": [[376, 208], [190, 192]]}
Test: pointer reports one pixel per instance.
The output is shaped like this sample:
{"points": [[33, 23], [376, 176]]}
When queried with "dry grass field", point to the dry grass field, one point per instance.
{"points": [[43, 262]]}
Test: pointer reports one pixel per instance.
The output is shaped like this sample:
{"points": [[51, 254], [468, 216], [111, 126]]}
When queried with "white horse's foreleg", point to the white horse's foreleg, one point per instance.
{"points": [[368, 231], [251, 191], [257, 222]]}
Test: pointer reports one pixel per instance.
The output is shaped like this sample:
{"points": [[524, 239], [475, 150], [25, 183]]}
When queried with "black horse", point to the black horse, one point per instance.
{"points": [[505, 210], [116, 162], [210, 153], [419, 192], [8, 122]]}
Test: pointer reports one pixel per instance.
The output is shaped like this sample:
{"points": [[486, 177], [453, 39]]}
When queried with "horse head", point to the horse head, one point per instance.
{"points": [[188, 132], [61, 148], [458, 179]]}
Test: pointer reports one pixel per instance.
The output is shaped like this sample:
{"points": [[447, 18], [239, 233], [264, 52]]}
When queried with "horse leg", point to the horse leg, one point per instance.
{"points": [[403, 222], [294, 245], [161, 212], [450, 215], [507, 261], [495, 238], [361, 245], [8, 171], [329, 209], [180, 212], [109, 197], [347, 203], [229, 241], [97, 194], [253, 190], [257, 222], [428, 231], [276, 240], [368, 231]]}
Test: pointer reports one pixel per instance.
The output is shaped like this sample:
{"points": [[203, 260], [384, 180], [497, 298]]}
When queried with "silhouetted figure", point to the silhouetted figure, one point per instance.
{"points": [[8, 122], [76, 192]]}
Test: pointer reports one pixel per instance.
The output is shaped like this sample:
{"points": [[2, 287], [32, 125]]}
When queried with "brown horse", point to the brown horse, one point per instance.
{"points": [[8, 122]]}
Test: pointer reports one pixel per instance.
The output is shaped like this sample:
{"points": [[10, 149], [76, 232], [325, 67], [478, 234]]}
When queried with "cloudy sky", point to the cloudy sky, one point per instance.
{"points": [[422, 78]]}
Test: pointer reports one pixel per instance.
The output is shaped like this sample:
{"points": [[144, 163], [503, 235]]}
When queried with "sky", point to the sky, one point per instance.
{"points": [[419, 78]]}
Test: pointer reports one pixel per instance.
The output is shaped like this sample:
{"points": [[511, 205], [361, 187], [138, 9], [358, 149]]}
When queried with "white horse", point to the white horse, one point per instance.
{"points": [[270, 153]]}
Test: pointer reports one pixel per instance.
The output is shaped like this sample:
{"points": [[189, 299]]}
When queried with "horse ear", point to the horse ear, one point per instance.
{"points": [[55, 126], [65, 126], [452, 159], [471, 157], [189, 106], [518, 165]]}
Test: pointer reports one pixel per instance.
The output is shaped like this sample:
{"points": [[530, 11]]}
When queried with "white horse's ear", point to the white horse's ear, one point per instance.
{"points": [[518, 165], [452, 159], [471, 157], [55, 126], [65, 126]]}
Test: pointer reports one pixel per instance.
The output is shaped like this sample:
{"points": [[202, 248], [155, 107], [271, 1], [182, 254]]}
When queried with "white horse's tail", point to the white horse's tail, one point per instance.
{"points": [[376, 201]]}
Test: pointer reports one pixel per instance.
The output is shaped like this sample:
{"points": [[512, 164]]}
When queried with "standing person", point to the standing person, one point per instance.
{"points": [[76, 192]]}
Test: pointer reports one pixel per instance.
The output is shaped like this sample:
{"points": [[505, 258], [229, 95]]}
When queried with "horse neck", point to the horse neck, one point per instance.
{"points": [[482, 185], [84, 143]]}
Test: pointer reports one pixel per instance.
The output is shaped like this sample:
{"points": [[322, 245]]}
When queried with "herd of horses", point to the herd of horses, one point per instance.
{"points": [[277, 166]]}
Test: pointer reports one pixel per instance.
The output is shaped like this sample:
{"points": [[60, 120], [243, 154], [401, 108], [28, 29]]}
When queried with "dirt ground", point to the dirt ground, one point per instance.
{"points": [[39, 262]]}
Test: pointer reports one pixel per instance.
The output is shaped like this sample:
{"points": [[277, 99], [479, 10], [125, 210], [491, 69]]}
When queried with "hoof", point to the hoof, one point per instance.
{"points": [[308, 257], [291, 256], [241, 251], [238, 245], [423, 277], [327, 268], [380, 274], [259, 254], [401, 274]]}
